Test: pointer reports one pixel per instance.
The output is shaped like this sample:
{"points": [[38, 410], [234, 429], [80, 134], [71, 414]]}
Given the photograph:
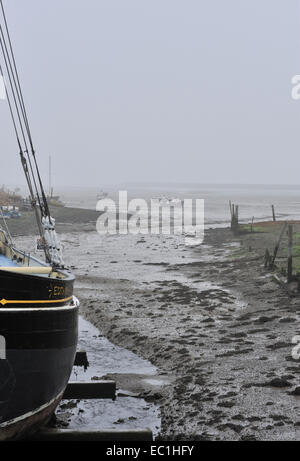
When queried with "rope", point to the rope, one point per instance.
{"points": [[15, 92], [18, 88], [22, 130], [17, 75]]}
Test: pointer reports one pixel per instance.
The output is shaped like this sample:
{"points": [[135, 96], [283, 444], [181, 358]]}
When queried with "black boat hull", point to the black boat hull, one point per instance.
{"points": [[21, 290], [35, 369]]}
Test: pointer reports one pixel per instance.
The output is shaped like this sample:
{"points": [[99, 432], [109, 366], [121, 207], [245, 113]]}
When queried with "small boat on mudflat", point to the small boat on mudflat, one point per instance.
{"points": [[38, 312]]}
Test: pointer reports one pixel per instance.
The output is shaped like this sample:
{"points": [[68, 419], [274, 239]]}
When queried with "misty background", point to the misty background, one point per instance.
{"points": [[195, 91]]}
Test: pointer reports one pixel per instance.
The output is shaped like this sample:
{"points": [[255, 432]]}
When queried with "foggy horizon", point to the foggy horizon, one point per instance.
{"points": [[123, 92]]}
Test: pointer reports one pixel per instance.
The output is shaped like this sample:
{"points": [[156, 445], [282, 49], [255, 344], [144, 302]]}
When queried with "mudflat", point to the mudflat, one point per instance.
{"points": [[211, 318]]}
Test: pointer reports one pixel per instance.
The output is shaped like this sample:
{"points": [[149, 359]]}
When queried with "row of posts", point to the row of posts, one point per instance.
{"points": [[234, 213], [269, 259]]}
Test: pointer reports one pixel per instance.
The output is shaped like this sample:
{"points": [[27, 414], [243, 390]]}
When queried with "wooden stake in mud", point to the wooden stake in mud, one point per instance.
{"points": [[236, 220], [273, 213], [252, 224], [230, 208], [277, 246], [231, 214], [234, 210], [290, 257], [236, 213], [267, 258]]}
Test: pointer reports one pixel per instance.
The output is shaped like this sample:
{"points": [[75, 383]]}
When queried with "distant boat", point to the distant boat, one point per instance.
{"points": [[54, 200], [165, 201], [38, 312], [8, 212]]}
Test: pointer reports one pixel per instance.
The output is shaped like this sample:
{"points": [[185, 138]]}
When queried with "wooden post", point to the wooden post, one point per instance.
{"points": [[290, 256], [267, 259], [235, 227], [237, 213], [234, 218], [232, 215], [230, 208], [252, 224], [273, 213], [81, 360], [272, 261]]}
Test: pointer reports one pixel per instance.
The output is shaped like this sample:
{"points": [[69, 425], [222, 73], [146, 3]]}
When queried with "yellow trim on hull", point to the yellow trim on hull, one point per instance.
{"points": [[49, 301]]}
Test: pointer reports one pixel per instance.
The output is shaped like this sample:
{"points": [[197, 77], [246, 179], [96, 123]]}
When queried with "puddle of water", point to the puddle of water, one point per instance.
{"points": [[232, 244], [123, 413], [104, 357], [156, 382]]}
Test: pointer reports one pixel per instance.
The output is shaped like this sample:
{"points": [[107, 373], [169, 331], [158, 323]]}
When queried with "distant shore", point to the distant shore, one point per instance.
{"points": [[67, 220]]}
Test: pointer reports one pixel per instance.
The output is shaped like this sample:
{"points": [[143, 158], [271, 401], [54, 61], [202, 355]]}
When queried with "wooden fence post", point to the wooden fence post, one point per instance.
{"points": [[232, 215], [277, 245], [290, 256], [234, 211], [273, 213], [267, 258]]}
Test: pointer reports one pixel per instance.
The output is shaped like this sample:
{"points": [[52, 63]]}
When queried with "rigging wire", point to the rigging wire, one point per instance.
{"points": [[16, 73], [22, 130], [17, 85], [12, 90], [20, 123], [10, 109], [16, 96], [23, 159], [11, 78]]}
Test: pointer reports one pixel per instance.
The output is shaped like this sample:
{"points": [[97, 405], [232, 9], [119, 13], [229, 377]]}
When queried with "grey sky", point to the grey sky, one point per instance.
{"points": [[158, 90]]}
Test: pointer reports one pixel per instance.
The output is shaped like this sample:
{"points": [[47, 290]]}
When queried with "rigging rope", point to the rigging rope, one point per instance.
{"points": [[23, 159], [23, 134], [11, 79], [17, 75], [16, 90]]}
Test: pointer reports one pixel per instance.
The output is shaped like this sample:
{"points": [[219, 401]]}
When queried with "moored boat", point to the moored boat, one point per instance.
{"points": [[38, 312], [38, 321]]}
